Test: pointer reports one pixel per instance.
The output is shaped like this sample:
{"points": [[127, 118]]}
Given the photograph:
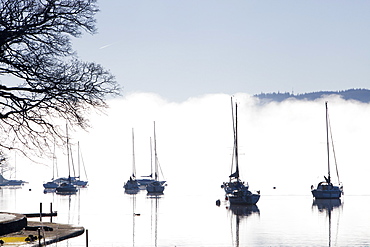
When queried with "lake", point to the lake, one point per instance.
{"points": [[191, 218]]}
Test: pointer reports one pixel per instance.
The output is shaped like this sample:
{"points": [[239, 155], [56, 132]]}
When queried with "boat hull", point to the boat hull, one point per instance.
{"points": [[155, 190], [131, 185], [145, 182], [251, 199], [50, 185], [15, 182], [155, 187], [326, 190], [326, 194], [66, 188], [80, 183]]}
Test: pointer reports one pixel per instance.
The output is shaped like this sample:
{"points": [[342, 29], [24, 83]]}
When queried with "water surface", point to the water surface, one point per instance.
{"points": [[191, 218]]}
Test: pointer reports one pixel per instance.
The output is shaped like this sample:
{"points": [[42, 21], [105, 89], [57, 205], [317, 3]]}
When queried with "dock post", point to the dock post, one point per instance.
{"points": [[40, 211], [51, 212], [87, 237], [39, 237]]}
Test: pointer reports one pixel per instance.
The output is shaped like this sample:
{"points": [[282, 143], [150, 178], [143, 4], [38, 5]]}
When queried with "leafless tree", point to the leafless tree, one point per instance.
{"points": [[41, 78]]}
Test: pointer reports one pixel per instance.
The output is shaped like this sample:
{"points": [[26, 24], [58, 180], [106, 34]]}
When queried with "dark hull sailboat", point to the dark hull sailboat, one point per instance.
{"points": [[66, 186], [155, 187], [237, 192], [326, 189], [132, 184]]}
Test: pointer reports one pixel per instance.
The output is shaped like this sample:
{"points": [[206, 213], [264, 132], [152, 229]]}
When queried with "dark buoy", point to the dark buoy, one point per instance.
{"points": [[218, 202]]}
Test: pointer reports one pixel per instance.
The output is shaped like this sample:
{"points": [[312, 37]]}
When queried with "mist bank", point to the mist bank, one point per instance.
{"points": [[281, 144]]}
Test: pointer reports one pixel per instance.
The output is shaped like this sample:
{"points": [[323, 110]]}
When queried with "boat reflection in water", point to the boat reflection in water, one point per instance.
{"points": [[155, 197], [241, 212], [134, 214], [328, 206]]}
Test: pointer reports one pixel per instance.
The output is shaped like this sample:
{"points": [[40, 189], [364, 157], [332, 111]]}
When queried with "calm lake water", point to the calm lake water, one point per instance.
{"points": [[114, 218]]}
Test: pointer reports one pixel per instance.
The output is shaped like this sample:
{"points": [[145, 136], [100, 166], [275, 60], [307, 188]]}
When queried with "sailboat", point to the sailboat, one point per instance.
{"points": [[326, 189], [9, 182], [132, 184], [237, 192], [156, 186], [67, 186]]}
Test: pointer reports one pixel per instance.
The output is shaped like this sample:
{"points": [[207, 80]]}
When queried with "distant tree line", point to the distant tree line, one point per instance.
{"points": [[362, 95]]}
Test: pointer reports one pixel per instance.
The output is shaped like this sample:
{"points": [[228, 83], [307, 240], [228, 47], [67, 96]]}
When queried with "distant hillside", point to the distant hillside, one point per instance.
{"points": [[362, 95]]}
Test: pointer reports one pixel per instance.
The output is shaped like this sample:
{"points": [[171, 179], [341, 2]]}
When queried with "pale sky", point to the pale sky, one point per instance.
{"points": [[182, 49]]}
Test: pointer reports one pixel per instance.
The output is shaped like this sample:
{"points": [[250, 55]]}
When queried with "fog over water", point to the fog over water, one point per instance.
{"points": [[281, 145]]}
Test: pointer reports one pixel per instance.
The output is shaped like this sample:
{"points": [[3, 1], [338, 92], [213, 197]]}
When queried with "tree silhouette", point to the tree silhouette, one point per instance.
{"points": [[41, 78]]}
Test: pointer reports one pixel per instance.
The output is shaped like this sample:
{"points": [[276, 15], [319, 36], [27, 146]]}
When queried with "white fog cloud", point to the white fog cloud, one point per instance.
{"points": [[281, 144]]}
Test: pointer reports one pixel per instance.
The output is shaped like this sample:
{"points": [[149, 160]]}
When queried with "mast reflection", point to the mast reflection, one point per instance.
{"points": [[133, 199], [241, 212], [154, 215], [327, 207]]}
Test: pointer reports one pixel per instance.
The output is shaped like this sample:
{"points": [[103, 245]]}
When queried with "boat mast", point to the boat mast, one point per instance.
{"points": [[69, 168], [72, 161], [155, 156], [54, 162], [78, 160], [15, 165], [236, 143], [151, 158], [233, 155], [82, 161], [133, 154], [327, 140]]}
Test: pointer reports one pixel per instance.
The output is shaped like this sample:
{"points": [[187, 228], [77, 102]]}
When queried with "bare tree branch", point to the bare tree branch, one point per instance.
{"points": [[35, 47]]}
